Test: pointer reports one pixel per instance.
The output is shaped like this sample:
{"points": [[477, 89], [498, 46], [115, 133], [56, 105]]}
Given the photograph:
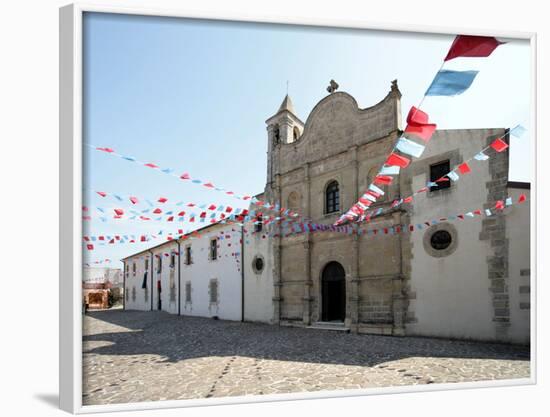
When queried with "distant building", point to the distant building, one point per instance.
{"points": [[463, 279], [98, 283]]}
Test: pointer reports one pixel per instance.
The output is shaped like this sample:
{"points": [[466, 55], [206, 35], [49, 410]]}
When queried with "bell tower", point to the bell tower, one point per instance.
{"points": [[283, 128]]}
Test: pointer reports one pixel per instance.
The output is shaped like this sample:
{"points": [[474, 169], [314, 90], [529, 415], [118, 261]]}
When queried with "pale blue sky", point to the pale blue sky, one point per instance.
{"points": [[193, 95]]}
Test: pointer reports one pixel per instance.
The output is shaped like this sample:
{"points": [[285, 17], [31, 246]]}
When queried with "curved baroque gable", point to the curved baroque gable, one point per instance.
{"points": [[336, 123]]}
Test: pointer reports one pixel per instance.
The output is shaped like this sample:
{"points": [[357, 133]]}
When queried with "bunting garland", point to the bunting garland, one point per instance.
{"points": [[463, 168], [445, 83]]}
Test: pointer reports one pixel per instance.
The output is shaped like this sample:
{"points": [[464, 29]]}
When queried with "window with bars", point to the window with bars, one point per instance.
{"points": [[134, 269], [188, 292], [146, 264], [213, 249], [438, 171], [213, 291], [159, 264], [258, 225], [332, 198], [188, 255], [172, 260]]}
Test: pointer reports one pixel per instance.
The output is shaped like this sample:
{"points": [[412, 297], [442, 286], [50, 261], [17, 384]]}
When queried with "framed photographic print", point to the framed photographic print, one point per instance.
{"points": [[264, 210]]}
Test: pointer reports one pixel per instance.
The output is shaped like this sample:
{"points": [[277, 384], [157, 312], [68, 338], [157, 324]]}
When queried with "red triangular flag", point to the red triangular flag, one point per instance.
{"points": [[228, 209], [478, 212], [408, 199], [209, 185], [499, 145], [211, 207], [119, 212], [101, 193], [472, 46], [397, 160], [143, 238], [499, 205], [521, 198], [151, 165], [162, 200], [383, 180], [157, 211], [134, 200], [424, 132], [185, 176], [417, 116], [181, 213], [464, 168], [170, 219], [90, 246], [108, 150]]}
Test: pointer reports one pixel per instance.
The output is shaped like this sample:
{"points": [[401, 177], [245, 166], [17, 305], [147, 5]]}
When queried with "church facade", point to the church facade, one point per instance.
{"points": [[452, 279], [466, 279]]}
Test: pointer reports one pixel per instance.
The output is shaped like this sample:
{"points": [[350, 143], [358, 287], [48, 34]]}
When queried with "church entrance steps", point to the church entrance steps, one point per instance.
{"points": [[330, 325]]}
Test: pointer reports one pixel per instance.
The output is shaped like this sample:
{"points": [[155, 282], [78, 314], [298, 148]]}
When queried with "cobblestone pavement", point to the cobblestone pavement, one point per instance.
{"points": [[132, 356]]}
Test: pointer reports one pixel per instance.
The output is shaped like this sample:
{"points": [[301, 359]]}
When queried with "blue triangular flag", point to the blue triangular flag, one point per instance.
{"points": [[453, 175], [409, 147], [518, 131], [481, 157], [389, 170], [451, 83]]}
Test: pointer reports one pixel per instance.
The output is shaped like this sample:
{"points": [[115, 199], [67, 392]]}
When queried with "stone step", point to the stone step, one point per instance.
{"points": [[334, 326]]}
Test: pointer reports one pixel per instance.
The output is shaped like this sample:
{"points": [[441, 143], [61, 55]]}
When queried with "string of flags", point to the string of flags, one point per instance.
{"points": [[207, 184], [497, 145], [419, 129], [298, 228], [497, 207]]}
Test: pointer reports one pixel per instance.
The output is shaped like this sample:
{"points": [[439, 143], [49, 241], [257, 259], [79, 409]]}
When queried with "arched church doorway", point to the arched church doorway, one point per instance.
{"points": [[333, 292]]}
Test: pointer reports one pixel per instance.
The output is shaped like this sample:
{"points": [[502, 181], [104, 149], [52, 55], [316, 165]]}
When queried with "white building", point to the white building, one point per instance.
{"points": [[202, 274]]}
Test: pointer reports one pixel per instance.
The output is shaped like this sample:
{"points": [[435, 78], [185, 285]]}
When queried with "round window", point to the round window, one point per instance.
{"points": [[441, 240], [258, 264]]}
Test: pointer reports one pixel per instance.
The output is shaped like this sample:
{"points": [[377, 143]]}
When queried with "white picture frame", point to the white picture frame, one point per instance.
{"points": [[70, 261]]}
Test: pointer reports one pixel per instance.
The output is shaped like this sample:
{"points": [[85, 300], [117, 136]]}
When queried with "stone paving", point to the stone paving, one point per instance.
{"points": [[132, 356]]}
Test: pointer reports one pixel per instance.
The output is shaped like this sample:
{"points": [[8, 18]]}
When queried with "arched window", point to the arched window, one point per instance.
{"points": [[332, 197], [296, 133], [276, 135], [293, 202]]}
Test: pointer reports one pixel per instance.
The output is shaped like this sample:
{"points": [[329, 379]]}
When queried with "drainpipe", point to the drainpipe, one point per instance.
{"points": [[179, 278], [124, 286], [151, 267], [242, 272]]}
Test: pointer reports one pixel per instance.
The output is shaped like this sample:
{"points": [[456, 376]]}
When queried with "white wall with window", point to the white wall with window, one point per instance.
{"points": [[165, 277], [258, 272], [138, 282], [448, 296], [213, 275]]}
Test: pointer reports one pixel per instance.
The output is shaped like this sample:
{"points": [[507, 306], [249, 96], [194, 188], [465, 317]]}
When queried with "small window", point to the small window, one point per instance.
{"points": [[146, 264], [188, 255], [258, 264], [276, 135], [213, 290], [159, 264], [126, 269], [441, 240], [258, 224], [437, 171], [172, 260], [188, 292], [295, 133], [214, 249], [332, 198], [134, 269]]}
